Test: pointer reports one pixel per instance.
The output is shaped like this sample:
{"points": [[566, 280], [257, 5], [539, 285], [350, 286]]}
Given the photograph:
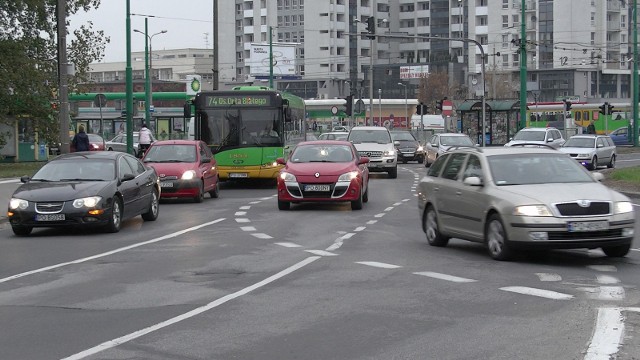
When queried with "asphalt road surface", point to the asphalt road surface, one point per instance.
{"points": [[234, 278]]}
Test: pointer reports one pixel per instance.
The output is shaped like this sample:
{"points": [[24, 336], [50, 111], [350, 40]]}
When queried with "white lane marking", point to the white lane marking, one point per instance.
{"points": [[288, 244], [245, 207], [549, 277], [405, 200], [397, 204], [379, 215], [262, 236], [611, 293], [371, 222], [389, 208], [242, 220], [339, 242], [444, 277], [359, 228], [266, 198], [248, 228], [347, 236], [609, 268], [607, 335], [537, 292], [111, 252], [255, 202], [240, 213], [9, 181], [321, 253], [607, 279], [378, 264], [134, 335], [635, 249]]}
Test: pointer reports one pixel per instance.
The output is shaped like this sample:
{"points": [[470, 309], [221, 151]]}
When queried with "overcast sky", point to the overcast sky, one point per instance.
{"points": [[186, 23]]}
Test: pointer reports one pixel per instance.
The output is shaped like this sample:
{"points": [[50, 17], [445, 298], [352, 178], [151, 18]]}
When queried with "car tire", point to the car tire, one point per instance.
{"points": [[115, 216], [420, 160], [426, 162], [404, 161], [200, 195], [215, 193], [22, 230], [357, 204], [284, 205], [432, 229], [594, 163], [152, 213], [617, 251], [393, 173], [365, 196], [110, 149], [496, 239], [612, 162]]}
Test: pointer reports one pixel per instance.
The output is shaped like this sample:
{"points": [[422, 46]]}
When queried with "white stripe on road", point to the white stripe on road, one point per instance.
{"points": [[288, 244], [371, 222], [537, 292], [242, 220], [262, 236], [240, 213], [444, 277], [321, 253], [549, 277], [339, 241], [247, 228], [606, 279], [379, 215], [611, 293], [389, 208], [359, 228], [255, 202], [121, 340], [609, 268], [9, 181], [245, 207], [378, 264], [133, 246], [607, 335]]}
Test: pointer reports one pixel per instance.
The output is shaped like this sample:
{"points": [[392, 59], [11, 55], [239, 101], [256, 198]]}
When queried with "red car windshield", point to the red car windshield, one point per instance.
{"points": [[171, 153], [322, 153]]}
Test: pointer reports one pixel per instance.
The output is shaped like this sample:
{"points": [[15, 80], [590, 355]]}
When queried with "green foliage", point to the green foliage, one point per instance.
{"points": [[630, 174], [28, 60]]}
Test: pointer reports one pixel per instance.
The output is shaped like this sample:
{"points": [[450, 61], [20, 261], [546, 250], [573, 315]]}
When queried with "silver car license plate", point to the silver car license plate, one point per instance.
{"points": [[50, 217], [577, 226], [317, 188]]}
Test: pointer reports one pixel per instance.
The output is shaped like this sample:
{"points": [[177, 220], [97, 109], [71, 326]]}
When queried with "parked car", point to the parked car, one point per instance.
{"points": [[96, 143], [547, 136], [519, 198], [440, 144], [93, 189], [323, 171], [335, 135], [119, 142], [620, 136], [374, 142], [186, 168], [408, 148], [591, 150], [341, 128]]}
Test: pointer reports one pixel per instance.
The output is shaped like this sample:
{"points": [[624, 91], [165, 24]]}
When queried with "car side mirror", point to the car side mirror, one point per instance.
{"points": [[473, 181], [396, 143], [600, 145], [127, 177], [280, 161], [205, 160], [363, 160], [24, 179], [549, 139]]}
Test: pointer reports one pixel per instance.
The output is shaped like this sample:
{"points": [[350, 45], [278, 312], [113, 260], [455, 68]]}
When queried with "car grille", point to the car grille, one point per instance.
{"points": [[585, 235], [593, 208], [370, 154], [49, 207], [317, 194], [171, 177]]}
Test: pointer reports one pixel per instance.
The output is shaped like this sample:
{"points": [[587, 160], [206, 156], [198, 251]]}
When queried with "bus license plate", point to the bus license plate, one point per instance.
{"points": [[317, 188], [587, 226], [50, 217], [238, 175]]}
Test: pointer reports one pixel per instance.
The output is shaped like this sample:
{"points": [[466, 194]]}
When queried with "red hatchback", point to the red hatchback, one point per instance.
{"points": [[186, 168], [322, 171]]}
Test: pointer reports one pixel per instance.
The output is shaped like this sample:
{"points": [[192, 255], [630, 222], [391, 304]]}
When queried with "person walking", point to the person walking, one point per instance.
{"points": [[144, 140], [80, 141], [591, 128]]}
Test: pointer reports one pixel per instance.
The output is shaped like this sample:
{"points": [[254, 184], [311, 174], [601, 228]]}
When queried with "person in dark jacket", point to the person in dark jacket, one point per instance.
{"points": [[81, 140], [591, 128]]}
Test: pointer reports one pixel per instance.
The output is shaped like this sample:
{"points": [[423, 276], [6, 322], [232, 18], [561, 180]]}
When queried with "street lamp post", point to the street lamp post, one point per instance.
{"points": [[148, 68], [406, 108], [380, 106]]}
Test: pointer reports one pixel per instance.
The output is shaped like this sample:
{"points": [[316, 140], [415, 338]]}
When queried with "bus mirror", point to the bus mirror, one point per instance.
{"points": [[187, 110]]}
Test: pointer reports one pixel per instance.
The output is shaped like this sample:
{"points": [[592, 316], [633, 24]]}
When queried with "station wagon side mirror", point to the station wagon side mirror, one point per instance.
{"points": [[396, 143], [549, 139], [280, 161], [472, 181]]}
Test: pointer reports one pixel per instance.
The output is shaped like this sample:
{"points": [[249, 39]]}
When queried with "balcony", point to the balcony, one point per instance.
{"points": [[613, 25], [530, 6]]}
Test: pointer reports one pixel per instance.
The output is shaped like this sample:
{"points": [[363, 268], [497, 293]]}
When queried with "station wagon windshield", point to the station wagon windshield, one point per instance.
{"points": [[527, 169], [530, 135], [455, 141], [580, 142]]}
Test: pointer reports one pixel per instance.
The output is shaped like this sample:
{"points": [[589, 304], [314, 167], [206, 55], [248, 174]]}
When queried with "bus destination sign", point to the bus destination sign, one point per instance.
{"points": [[241, 100]]}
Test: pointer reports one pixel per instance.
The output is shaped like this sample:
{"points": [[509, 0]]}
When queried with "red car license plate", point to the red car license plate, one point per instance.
{"points": [[317, 188]]}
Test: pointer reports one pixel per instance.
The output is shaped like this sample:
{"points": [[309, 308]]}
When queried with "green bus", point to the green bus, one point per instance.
{"points": [[248, 128]]}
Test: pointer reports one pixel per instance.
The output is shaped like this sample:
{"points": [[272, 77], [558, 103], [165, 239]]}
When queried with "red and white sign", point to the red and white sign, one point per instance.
{"points": [[414, 72], [447, 107]]}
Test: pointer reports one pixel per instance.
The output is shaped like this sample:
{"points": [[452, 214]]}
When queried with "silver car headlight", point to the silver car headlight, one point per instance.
{"points": [[584, 155], [348, 176], [287, 177], [188, 175], [18, 204], [532, 210], [420, 148], [389, 153], [622, 207], [89, 202]]}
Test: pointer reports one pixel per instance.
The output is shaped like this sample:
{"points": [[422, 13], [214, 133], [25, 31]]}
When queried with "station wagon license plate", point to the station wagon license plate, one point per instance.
{"points": [[317, 188], [50, 217], [166, 184], [238, 175], [587, 226]]}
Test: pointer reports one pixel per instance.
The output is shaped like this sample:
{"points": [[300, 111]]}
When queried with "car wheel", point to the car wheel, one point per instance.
{"points": [[365, 197], [393, 173], [420, 160], [496, 238], [200, 195], [21, 230], [612, 162], [115, 218], [616, 251], [152, 213], [357, 204], [404, 161], [594, 163], [432, 230], [110, 149], [283, 205], [215, 193]]}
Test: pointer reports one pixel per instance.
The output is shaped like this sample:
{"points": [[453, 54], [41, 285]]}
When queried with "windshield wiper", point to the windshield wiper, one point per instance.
{"points": [[320, 161], [81, 179], [43, 180]]}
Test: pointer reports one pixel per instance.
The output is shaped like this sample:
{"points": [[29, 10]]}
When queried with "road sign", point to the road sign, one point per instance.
{"points": [[334, 110], [359, 106], [100, 100], [152, 108]]}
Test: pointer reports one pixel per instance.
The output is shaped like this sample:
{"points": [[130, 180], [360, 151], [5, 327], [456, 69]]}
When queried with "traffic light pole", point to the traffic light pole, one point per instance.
{"points": [[634, 78]]}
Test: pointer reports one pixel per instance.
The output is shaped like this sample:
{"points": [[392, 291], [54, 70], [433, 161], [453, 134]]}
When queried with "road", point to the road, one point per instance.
{"points": [[234, 278]]}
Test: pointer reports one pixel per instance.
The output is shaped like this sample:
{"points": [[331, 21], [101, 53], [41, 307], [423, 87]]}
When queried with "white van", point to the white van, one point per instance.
{"points": [[429, 122]]}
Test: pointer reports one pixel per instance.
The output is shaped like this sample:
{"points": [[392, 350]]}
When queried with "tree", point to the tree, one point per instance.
{"points": [[433, 87], [28, 60]]}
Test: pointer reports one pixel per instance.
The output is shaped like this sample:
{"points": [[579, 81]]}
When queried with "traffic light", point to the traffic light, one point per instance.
{"points": [[421, 109], [349, 105], [567, 105], [439, 105], [371, 27], [604, 108], [609, 109]]}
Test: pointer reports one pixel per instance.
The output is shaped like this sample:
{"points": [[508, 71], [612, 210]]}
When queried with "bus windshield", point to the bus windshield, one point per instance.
{"points": [[242, 127]]}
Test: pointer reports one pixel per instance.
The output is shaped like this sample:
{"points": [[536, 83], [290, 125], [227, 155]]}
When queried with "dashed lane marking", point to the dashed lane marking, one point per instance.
{"points": [[378, 264], [359, 228], [396, 204], [615, 293], [444, 277], [245, 207], [262, 236], [609, 268], [607, 335], [288, 244], [371, 222], [247, 228], [242, 220], [379, 215], [255, 202], [240, 213], [321, 253], [549, 277], [537, 292], [389, 208], [607, 279]]}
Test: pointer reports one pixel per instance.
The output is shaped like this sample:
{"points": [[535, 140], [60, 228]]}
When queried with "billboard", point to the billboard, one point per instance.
{"points": [[413, 72], [284, 59]]}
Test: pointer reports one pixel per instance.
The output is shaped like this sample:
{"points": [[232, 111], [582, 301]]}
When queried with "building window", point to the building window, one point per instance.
{"points": [[505, 4], [505, 21]]}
